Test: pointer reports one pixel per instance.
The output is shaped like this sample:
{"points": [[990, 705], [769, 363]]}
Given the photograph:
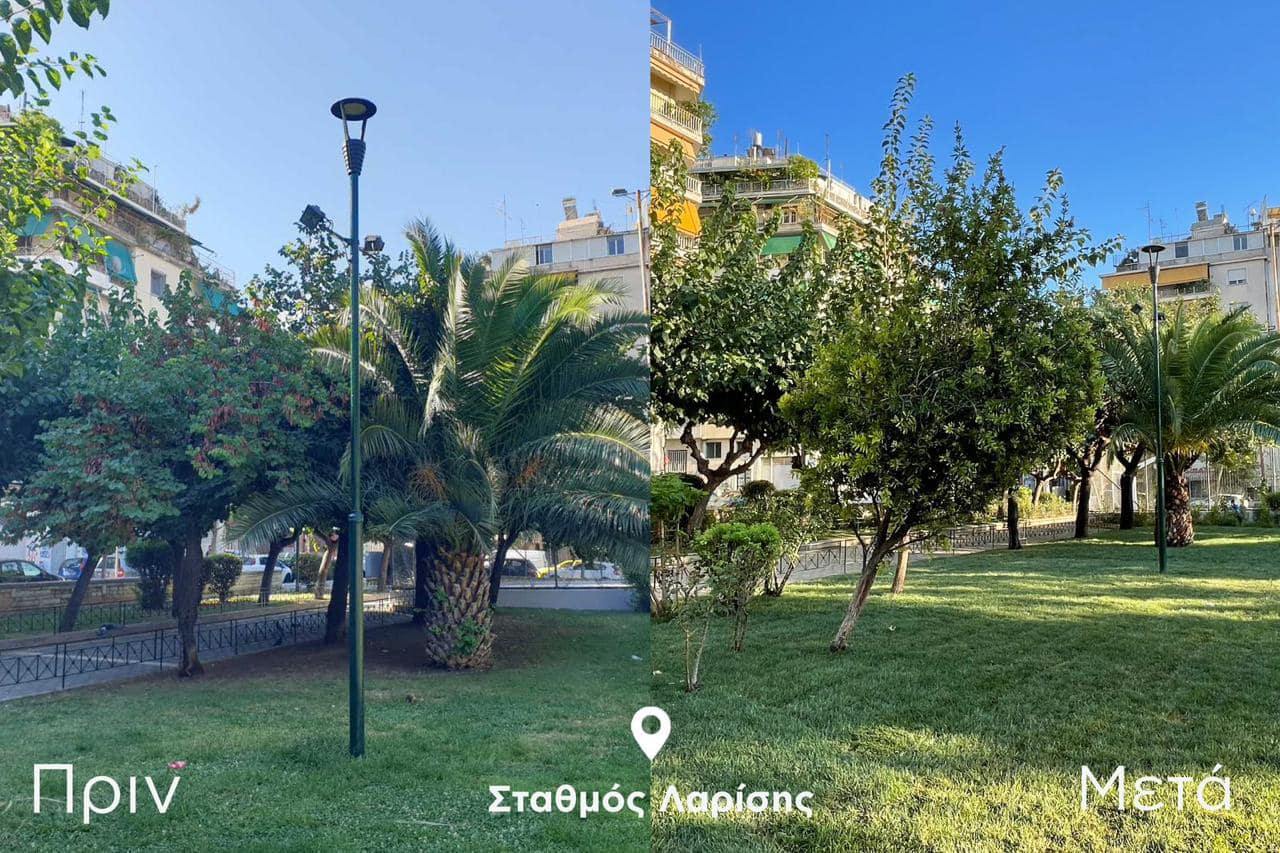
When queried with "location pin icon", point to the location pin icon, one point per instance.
{"points": [[651, 744]]}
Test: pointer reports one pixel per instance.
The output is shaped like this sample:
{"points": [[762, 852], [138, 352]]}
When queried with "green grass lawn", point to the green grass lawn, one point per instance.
{"points": [[960, 716], [266, 738]]}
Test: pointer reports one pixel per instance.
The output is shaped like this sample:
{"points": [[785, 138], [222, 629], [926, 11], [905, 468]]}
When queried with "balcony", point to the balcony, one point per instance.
{"points": [[677, 54], [675, 115], [840, 196], [693, 188]]}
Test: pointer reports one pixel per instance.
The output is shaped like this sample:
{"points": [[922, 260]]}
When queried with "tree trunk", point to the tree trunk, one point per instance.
{"points": [[187, 589], [841, 640], [1127, 481], [335, 618], [459, 626], [1180, 530], [423, 551], [72, 611], [330, 552], [1083, 493], [269, 570], [693, 524], [1012, 518], [495, 572], [900, 572], [1037, 491]]}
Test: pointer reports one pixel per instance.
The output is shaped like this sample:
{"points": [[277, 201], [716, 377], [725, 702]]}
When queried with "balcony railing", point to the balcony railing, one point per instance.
{"points": [[693, 188], [838, 195], [677, 54], [670, 111]]}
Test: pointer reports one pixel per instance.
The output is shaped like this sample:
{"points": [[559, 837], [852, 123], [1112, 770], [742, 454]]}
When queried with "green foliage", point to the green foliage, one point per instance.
{"points": [[732, 328], [670, 500], [219, 572], [22, 69], [801, 168], [1271, 500], [798, 519], [755, 490], [306, 570], [961, 357], [706, 111], [154, 559], [736, 558], [1265, 517]]}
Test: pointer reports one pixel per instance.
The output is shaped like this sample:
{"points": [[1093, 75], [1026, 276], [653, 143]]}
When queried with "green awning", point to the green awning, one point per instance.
{"points": [[218, 299], [120, 262], [34, 227], [787, 244]]}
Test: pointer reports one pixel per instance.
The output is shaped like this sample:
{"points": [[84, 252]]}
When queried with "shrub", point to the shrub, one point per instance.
{"points": [[798, 520], [1271, 500], [220, 573], [1264, 518], [154, 560], [737, 558], [756, 490], [306, 569], [670, 499]]}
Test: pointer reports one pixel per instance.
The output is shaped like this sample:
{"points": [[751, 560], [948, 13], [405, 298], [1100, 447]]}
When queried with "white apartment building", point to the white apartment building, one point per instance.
{"points": [[584, 247], [1216, 258]]}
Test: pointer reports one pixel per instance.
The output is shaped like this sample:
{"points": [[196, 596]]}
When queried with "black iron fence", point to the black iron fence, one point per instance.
{"points": [[45, 661]]}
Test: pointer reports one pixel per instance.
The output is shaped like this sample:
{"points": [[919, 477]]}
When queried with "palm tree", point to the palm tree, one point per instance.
{"points": [[509, 401], [1220, 375]]}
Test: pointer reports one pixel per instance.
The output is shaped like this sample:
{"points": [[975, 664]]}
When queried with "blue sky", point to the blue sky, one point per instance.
{"points": [[229, 101], [1137, 103]]}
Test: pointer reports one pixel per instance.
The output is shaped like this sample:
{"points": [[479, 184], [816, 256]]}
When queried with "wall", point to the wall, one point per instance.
{"points": [[24, 596]]}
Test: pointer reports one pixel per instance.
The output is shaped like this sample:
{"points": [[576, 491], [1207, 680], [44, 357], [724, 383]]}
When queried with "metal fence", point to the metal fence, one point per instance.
{"points": [[48, 620], [224, 638]]}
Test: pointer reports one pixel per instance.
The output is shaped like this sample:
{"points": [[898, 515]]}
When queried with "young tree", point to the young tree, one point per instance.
{"points": [[732, 328], [956, 365]]}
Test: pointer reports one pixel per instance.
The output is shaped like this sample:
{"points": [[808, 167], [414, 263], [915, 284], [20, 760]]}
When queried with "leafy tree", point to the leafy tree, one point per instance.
{"points": [[732, 328], [38, 161], [737, 557], [1220, 375], [956, 366], [166, 439]]}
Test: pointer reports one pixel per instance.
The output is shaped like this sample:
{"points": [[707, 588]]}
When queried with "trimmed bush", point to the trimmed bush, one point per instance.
{"points": [[757, 489], [737, 558], [306, 569], [220, 573], [153, 558]]}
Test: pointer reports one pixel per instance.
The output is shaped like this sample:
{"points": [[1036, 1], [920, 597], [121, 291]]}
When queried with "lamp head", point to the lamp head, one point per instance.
{"points": [[621, 192], [352, 110], [373, 244], [1152, 251], [312, 218]]}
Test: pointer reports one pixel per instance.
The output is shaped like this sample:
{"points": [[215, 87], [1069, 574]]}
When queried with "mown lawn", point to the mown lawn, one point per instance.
{"points": [[965, 707], [265, 738]]}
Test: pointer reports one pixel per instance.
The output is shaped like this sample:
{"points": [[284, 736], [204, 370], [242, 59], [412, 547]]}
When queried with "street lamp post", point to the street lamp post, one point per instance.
{"points": [[621, 192], [351, 110], [1153, 270]]}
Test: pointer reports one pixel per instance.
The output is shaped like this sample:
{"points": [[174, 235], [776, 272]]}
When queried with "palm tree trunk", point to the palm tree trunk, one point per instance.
{"points": [[1177, 502], [459, 624]]}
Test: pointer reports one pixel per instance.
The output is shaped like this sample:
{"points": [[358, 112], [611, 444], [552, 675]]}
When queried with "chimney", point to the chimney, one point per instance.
{"points": [[1202, 211], [570, 207]]}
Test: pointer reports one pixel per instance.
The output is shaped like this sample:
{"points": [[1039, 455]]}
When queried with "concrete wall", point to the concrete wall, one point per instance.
{"points": [[25, 596], [587, 598]]}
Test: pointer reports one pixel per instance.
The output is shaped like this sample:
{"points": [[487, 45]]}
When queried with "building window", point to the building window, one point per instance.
{"points": [[713, 450], [1239, 242], [542, 253], [790, 215], [1181, 249], [159, 283], [1237, 277], [677, 460], [617, 245]]}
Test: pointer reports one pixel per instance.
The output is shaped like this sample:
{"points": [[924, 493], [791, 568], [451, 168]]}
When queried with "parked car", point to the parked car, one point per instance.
{"points": [[599, 570], [519, 567], [111, 568], [255, 563], [70, 568], [24, 571]]}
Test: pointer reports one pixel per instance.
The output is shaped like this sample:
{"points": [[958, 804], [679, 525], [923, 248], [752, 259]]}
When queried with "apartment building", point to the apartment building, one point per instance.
{"points": [[780, 183], [148, 247], [1215, 258], [677, 78], [585, 247]]}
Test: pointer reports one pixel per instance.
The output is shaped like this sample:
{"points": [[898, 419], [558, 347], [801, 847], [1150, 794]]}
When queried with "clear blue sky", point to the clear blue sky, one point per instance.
{"points": [[1166, 103], [229, 100]]}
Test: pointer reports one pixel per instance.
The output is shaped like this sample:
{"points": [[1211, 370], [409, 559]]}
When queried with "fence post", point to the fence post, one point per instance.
{"points": [[293, 621], [235, 639], [64, 666]]}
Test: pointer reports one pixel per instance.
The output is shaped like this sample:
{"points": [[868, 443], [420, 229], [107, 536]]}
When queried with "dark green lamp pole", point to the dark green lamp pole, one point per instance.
{"points": [[1153, 270], [351, 110]]}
